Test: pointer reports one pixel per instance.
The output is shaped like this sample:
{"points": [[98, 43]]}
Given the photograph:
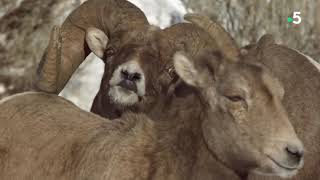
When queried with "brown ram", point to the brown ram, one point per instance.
{"points": [[301, 79]]}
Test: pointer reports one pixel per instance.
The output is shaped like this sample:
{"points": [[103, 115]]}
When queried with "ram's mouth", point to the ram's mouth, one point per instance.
{"points": [[129, 92], [271, 167], [122, 96], [125, 90], [288, 168], [128, 85]]}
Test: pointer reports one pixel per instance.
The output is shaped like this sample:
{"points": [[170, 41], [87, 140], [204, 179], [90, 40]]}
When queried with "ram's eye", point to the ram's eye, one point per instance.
{"points": [[110, 52], [235, 98]]}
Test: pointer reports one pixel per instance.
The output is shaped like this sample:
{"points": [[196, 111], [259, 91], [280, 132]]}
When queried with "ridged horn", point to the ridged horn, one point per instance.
{"points": [[223, 39], [48, 70], [114, 17], [186, 37]]}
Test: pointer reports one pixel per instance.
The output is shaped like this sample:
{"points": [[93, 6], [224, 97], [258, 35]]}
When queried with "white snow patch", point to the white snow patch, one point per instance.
{"points": [[84, 84], [3, 38], [13, 71], [7, 8], [160, 13], [2, 88]]}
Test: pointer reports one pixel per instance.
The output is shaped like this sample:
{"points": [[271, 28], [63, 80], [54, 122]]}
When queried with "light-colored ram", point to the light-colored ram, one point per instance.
{"points": [[301, 79]]}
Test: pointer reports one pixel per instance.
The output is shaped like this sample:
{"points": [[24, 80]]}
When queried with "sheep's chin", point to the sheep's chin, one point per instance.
{"points": [[272, 169], [123, 97]]}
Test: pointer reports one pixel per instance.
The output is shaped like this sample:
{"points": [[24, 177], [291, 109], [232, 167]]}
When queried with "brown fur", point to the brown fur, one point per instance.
{"points": [[301, 82]]}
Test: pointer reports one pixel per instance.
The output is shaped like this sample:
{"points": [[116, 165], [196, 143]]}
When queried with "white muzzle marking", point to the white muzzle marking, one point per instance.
{"points": [[121, 95]]}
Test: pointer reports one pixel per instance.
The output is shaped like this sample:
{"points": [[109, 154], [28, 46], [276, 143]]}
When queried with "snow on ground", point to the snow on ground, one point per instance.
{"points": [[85, 83]]}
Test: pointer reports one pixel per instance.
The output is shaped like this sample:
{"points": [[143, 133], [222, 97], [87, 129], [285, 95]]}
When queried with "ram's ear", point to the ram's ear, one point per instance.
{"points": [[245, 50], [97, 41], [189, 72]]}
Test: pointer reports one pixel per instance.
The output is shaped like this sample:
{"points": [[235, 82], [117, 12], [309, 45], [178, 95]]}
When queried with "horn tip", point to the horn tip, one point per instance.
{"points": [[190, 16]]}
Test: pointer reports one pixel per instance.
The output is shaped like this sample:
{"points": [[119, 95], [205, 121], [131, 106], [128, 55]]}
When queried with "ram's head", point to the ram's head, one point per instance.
{"points": [[138, 72], [134, 74]]}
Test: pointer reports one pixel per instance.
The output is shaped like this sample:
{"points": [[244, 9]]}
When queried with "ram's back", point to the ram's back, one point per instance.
{"points": [[38, 134], [44, 136]]}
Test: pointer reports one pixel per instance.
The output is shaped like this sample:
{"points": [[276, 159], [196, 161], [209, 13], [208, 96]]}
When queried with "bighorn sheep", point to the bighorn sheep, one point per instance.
{"points": [[223, 108], [301, 80], [126, 43], [300, 77], [111, 29]]}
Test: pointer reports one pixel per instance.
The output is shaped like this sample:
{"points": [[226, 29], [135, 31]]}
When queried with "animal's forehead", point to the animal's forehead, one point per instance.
{"points": [[252, 79], [242, 72], [146, 57], [247, 76], [130, 51]]}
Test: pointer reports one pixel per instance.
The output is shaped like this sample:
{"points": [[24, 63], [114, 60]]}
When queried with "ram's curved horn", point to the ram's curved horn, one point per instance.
{"points": [[186, 37], [117, 18], [48, 69], [224, 41]]}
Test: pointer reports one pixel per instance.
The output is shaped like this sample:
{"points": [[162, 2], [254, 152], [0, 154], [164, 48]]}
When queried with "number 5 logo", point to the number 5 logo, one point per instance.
{"points": [[296, 17]]}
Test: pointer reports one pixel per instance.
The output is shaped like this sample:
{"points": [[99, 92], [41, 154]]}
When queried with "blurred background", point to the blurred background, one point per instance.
{"points": [[25, 27]]}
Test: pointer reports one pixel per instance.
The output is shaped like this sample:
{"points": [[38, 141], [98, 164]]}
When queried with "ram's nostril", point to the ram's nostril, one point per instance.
{"points": [[125, 74], [134, 77], [295, 152], [130, 76]]}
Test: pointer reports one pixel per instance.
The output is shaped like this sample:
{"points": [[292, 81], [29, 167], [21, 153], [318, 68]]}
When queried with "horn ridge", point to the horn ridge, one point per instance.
{"points": [[223, 39]]}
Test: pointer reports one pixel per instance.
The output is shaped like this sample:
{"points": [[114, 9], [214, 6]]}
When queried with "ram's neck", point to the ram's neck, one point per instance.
{"points": [[178, 125], [184, 148], [120, 149]]}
